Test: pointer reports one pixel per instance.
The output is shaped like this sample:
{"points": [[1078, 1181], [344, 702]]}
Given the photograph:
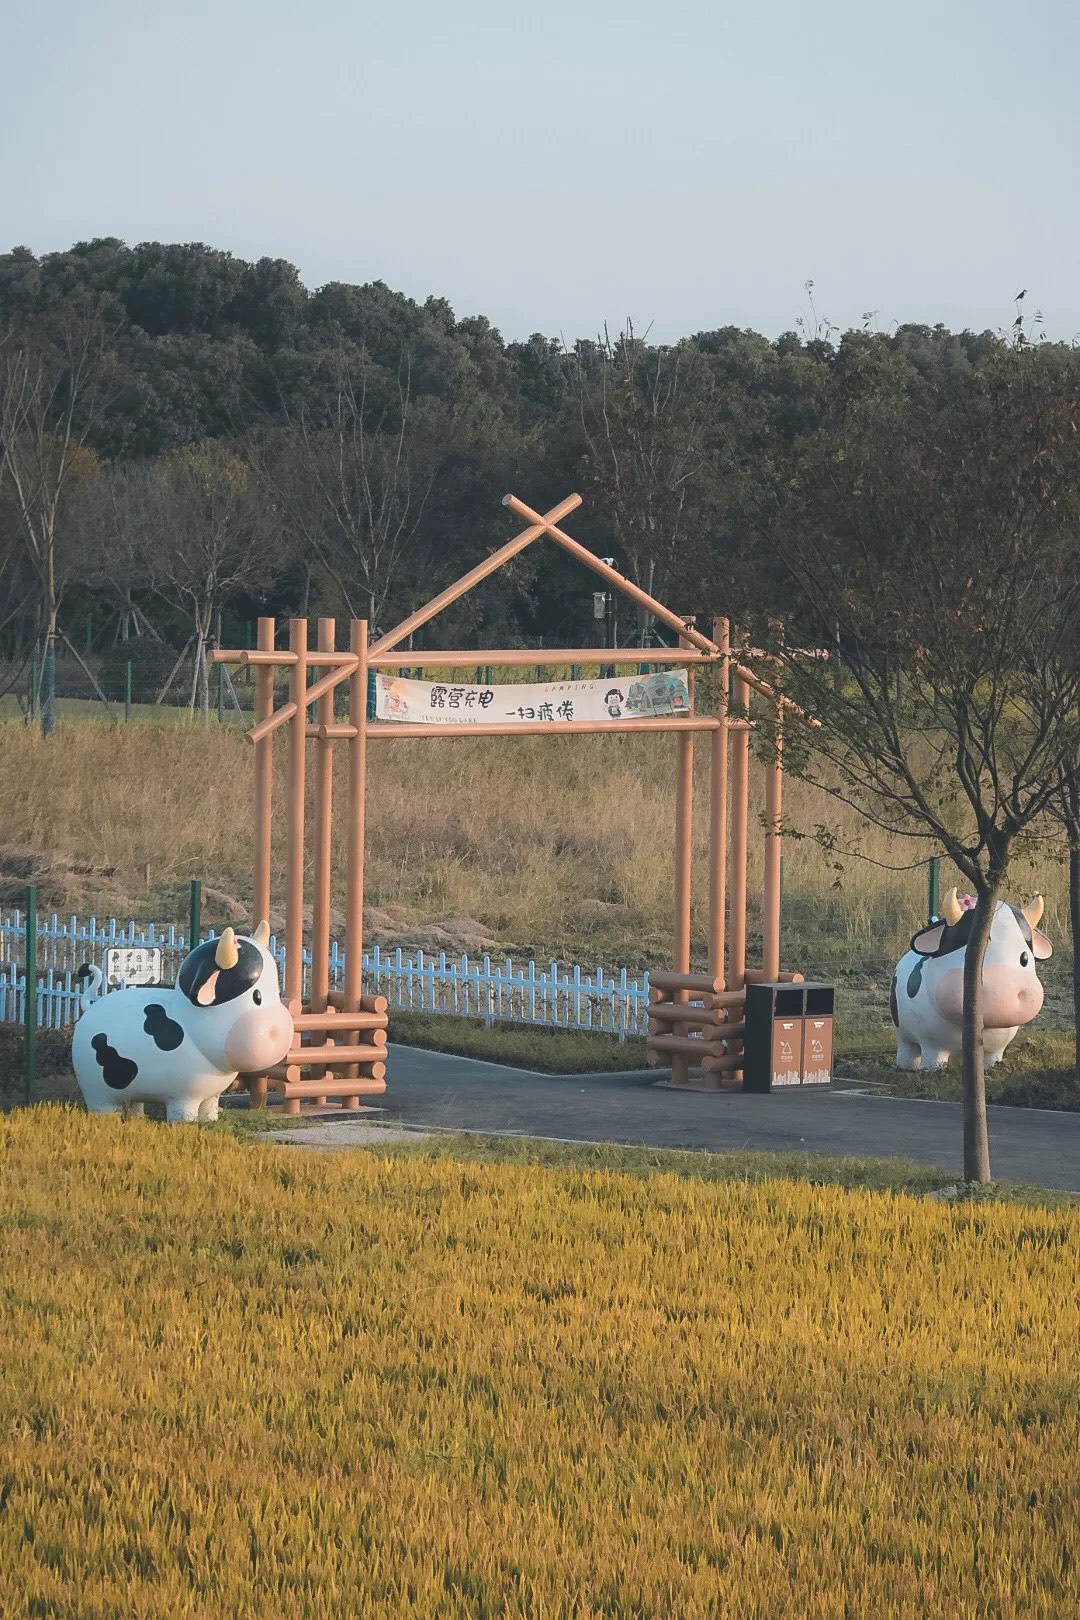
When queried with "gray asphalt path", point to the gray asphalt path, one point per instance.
{"points": [[445, 1092]]}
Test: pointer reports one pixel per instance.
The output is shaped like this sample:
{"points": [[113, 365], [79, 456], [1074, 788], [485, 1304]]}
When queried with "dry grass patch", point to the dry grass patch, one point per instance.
{"points": [[560, 845], [242, 1383]]}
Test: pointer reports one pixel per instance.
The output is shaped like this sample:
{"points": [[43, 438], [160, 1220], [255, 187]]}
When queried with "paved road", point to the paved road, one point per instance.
{"points": [[446, 1092]]}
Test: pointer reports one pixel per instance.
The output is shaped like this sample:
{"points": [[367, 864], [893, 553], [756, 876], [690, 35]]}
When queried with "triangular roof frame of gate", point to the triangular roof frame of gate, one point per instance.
{"points": [[539, 524]]}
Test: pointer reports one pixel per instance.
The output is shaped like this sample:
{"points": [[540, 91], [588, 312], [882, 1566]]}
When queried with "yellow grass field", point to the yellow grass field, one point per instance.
{"points": [[252, 1381]]}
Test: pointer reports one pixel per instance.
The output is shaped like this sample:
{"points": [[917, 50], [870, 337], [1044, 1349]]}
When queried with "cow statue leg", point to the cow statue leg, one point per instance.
{"points": [[185, 1112], [908, 1053], [994, 1049], [935, 1060], [208, 1111]]}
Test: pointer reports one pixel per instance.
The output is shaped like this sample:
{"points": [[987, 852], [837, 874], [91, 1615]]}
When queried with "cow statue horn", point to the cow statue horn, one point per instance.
{"points": [[951, 908], [226, 955], [1033, 910], [261, 936]]}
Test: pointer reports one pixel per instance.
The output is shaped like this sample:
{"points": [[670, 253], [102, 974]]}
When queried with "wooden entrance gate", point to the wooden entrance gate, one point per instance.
{"points": [[695, 1019]]}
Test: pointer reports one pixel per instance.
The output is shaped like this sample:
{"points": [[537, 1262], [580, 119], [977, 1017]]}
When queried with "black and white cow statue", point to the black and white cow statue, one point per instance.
{"points": [[183, 1045], [927, 1000]]}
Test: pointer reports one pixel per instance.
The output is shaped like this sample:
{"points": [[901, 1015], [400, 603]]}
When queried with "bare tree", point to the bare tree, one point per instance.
{"points": [[50, 398], [109, 526], [203, 540], [944, 540], [645, 416], [352, 473]]}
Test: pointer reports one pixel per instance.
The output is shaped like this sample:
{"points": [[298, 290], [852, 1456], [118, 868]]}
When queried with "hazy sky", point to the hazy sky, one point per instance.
{"points": [[554, 166]]}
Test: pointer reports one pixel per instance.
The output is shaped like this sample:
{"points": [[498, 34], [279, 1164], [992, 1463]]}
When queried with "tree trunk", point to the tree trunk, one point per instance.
{"points": [[973, 1057], [202, 678], [48, 680], [1074, 930], [48, 667]]}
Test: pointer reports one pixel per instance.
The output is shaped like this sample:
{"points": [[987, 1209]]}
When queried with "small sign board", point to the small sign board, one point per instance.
{"points": [[132, 965]]}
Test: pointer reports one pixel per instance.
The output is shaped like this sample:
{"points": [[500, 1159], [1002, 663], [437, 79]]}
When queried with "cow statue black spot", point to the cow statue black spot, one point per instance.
{"points": [[183, 1045], [928, 985]]}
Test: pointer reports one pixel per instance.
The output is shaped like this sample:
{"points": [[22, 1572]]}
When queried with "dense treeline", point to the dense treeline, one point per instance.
{"points": [[187, 438]]}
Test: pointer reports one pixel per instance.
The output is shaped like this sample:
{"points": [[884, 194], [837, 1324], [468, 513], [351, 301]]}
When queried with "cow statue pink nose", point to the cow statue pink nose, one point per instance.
{"points": [[1010, 996], [259, 1038]]}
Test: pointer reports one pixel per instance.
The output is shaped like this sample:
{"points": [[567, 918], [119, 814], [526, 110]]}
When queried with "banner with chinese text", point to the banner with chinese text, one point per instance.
{"points": [[448, 703]]}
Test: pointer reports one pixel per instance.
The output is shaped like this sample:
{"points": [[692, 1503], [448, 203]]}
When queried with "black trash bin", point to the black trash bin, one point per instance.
{"points": [[789, 1031]]}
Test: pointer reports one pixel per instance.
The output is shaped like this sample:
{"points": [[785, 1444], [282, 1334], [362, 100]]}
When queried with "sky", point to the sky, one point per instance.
{"points": [[683, 164]]}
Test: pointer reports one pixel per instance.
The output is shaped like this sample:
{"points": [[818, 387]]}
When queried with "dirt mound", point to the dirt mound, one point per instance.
{"points": [[393, 926], [67, 885], [59, 878], [390, 927]]}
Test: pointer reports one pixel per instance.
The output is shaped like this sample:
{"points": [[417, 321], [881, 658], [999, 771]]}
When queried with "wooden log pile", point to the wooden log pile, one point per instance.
{"points": [[696, 1022]]}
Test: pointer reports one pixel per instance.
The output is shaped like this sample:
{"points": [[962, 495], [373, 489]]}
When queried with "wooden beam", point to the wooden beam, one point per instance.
{"points": [[770, 897], [740, 814], [549, 525], [681, 1012], [264, 780], [313, 694], [332, 1020], [685, 1046], [702, 983], [323, 806], [514, 657], [294, 825], [684, 836], [308, 1057], [533, 728], [537, 527], [256, 658], [333, 1085], [377, 1004], [718, 807], [354, 857]]}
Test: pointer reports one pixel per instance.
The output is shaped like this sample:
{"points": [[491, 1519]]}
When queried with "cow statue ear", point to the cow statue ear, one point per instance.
{"points": [[927, 942], [1041, 947], [261, 936]]}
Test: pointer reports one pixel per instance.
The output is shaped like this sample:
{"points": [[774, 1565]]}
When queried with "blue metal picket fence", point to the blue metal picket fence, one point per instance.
{"points": [[557, 996]]}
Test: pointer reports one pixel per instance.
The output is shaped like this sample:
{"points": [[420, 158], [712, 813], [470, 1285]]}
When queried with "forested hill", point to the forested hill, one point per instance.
{"points": [[221, 439]]}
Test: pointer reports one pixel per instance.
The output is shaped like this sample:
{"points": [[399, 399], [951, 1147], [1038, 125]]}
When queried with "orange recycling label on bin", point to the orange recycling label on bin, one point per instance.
{"points": [[786, 1051], [817, 1051]]}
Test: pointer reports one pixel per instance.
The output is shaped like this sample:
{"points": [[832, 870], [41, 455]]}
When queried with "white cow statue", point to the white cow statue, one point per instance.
{"points": [[927, 999], [182, 1045]]}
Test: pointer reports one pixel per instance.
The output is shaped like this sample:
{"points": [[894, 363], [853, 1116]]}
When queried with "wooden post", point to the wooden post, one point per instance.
{"points": [[294, 826], [684, 829], [770, 898], [740, 814], [718, 808], [324, 799], [264, 777], [255, 1084], [354, 859]]}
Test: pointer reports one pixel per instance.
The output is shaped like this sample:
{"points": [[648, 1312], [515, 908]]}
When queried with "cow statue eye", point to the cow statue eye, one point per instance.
{"points": [[1024, 959], [256, 996]]}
